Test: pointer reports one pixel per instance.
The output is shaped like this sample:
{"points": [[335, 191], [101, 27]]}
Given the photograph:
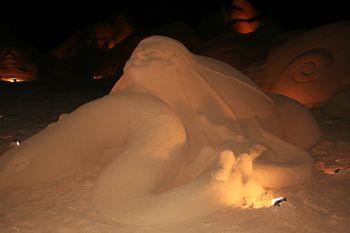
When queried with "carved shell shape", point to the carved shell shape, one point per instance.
{"points": [[309, 66], [307, 78]]}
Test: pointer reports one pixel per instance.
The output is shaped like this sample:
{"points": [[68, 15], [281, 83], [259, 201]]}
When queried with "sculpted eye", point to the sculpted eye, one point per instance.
{"points": [[151, 53], [146, 54]]}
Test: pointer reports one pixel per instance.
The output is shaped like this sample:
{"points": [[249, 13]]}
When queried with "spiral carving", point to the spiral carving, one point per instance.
{"points": [[307, 78], [309, 66]]}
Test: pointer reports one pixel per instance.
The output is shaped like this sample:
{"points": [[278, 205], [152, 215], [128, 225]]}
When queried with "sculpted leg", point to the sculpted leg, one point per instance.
{"points": [[282, 164], [65, 146], [226, 185], [81, 138]]}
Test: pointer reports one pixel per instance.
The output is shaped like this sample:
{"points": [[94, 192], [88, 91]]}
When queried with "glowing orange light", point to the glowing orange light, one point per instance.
{"points": [[266, 200], [333, 169], [244, 17], [98, 77], [12, 79]]}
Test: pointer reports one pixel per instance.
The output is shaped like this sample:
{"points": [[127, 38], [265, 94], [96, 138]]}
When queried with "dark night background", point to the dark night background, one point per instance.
{"points": [[46, 25]]}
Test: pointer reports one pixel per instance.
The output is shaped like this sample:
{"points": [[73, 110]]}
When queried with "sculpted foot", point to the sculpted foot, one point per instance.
{"points": [[256, 150], [245, 165], [252, 189]]}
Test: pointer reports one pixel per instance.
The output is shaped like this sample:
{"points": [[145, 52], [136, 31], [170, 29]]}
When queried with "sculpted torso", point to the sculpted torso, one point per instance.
{"points": [[183, 136]]}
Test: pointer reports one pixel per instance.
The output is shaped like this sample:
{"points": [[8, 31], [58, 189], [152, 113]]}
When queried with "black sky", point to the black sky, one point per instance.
{"points": [[47, 24]]}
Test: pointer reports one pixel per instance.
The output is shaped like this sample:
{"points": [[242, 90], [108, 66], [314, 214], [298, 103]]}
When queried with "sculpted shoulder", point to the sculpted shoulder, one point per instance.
{"points": [[147, 112], [143, 107], [132, 99]]}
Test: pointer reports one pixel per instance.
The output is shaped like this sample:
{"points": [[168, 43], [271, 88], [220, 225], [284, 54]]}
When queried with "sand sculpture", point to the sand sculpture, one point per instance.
{"points": [[16, 67], [90, 62], [339, 105], [241, 52], [17, 58], [183, 136], [103, 36], [310, 68], [113, 62], [243, 17], [22, 62]]}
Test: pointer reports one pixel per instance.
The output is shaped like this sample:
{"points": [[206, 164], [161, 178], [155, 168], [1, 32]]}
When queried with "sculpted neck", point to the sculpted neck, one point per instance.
{"points": [[167, 88]]}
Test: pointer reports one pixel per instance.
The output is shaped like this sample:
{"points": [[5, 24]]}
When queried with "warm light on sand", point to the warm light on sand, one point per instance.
{"points": [[98, 77], [15, 142], [337, 168], [11, 79], [266, 200], [244, 17]]}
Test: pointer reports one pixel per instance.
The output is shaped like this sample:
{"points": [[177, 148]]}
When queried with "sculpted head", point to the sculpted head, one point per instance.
{"points": [[163, 67], [155, 62]]}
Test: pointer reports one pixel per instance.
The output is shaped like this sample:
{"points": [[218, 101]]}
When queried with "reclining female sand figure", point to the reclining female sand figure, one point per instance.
{"points": [[186, 135]]}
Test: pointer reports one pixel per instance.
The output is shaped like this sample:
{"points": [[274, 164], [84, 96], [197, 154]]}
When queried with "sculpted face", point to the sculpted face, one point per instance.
{"points": [[15, 66], [149, 64]]}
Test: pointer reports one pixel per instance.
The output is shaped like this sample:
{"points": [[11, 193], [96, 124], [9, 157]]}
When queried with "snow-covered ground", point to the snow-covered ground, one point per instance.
{"points": [[321, 205]]}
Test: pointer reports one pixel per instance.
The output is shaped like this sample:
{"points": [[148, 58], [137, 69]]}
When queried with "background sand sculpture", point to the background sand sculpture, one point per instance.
{"points": [[103, 35], [82, 53], [22, 62], [17, 58], [16, 67], [114, 60], [243, 17], [241, 52], [180, 136], [310, 68]]}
